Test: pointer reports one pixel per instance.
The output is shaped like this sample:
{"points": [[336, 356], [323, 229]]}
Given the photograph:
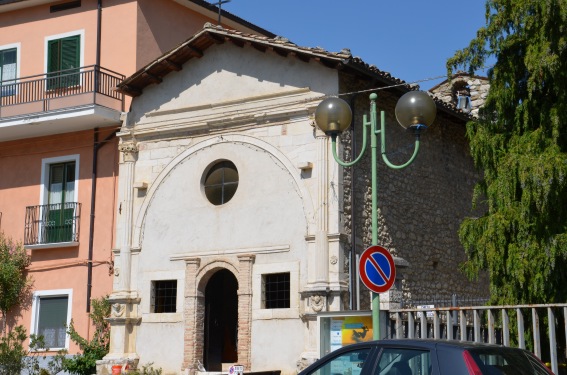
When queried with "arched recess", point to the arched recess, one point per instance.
{"points": [[197, 279], [279, 157]]}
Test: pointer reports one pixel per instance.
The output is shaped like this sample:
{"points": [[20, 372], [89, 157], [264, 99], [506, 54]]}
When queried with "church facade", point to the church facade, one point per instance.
{"points": [[236, 227]]}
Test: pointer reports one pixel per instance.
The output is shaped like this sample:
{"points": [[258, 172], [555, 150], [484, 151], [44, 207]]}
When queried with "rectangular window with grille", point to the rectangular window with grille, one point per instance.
{"points": [[276, 290], [164, 296]]}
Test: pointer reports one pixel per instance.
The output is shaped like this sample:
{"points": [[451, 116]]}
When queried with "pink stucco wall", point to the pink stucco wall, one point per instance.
{"points": [[133, 33], [20, 186]]}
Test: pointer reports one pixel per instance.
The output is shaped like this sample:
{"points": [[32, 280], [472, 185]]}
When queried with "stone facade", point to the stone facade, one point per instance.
{"points": [[420, 207]]}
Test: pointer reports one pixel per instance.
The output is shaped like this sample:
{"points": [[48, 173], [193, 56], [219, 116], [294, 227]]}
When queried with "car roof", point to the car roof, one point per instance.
{"points": [[430, 343]]}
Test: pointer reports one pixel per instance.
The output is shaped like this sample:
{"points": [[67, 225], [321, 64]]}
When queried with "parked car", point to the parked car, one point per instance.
{"points": [[427, 357]]}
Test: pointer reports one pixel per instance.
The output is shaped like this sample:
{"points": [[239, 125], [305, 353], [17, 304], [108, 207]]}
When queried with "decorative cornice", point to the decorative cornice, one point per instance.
{"points": [[245, 252]]}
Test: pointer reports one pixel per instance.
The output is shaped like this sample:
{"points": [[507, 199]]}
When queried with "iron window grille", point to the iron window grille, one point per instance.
{"points": [[276, 288], [164, 296]]}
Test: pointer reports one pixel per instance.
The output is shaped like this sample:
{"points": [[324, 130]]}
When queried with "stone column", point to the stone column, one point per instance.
{"points": [[245, 263], [125, 302]]}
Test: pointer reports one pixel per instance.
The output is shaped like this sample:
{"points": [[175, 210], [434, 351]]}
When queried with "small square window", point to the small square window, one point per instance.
{"points": [[276, 291], [164, 296]]}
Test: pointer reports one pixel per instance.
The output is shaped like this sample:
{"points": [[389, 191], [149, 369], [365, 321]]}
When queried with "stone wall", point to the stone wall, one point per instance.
{"points": [[420, 207], [476, 87]]}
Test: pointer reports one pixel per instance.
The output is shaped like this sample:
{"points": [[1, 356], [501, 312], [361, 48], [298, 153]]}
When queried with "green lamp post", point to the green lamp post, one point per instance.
{"points": [[415, 110]]}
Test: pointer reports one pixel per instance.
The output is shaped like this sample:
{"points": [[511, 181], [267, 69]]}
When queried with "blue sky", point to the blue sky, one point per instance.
{"points": [[411, 39]]}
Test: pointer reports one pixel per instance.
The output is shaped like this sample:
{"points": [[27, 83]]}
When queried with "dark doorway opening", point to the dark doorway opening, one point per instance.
{"points": [[221, 320]]}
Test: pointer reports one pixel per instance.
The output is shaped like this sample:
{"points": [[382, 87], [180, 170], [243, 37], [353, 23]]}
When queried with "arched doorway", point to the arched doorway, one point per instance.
{"points": [[221, 320]]}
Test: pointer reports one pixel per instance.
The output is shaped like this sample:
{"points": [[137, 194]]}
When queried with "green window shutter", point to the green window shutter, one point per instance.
{"points": [[53, 53], [70, 52], [63, 54]]}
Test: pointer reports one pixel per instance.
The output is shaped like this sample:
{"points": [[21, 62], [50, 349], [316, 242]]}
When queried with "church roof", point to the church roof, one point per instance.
{"points": [[195, 47]]}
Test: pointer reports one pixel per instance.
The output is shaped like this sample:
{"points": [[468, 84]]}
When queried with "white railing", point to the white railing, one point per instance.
{"points": [[503, 325]]}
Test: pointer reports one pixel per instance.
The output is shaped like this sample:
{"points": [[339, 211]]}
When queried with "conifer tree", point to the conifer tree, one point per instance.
{"points": [[519, 142]]}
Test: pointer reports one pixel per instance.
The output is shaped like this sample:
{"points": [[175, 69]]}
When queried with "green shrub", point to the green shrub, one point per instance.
{"points": [[93, 350], [14, 283], [14, 358]]}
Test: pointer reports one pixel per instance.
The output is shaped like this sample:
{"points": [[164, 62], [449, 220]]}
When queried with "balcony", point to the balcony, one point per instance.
{"points": [[60, 102], [52, 225]]}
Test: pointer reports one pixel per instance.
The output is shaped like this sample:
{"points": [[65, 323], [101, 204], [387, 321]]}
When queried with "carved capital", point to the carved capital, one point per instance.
{"points": [[129, 150], [246, 258]]}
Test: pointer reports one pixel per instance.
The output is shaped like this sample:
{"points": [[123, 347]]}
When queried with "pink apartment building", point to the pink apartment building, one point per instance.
{"points": [[60, 62]]}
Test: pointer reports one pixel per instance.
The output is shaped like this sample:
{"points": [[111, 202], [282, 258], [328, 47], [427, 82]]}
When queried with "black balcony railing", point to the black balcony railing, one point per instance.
{"points": [[62, 89], [52, 223]]}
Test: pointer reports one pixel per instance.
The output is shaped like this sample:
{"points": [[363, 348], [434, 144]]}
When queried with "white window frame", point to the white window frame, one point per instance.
{"points": [[46, 163], [81, 33], [44, 186], [18, 48], [258, 272], [146, 305], [37, 295]]}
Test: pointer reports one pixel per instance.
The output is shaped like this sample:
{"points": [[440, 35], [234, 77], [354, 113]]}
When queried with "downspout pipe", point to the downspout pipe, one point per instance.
{"points": [[98, 31], [96, 147], [95, 156], [98, 45]]}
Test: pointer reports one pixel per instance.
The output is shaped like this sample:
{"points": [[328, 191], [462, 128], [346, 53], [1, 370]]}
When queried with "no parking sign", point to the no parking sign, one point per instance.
{"points": [[377, 270], [236, 370]]}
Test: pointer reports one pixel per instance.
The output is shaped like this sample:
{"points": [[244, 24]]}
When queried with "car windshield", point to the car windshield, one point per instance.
{"points": [[500, 361]]}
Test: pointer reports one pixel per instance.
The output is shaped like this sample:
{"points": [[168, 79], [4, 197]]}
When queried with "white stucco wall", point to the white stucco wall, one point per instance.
{"points": [[265, 211]]}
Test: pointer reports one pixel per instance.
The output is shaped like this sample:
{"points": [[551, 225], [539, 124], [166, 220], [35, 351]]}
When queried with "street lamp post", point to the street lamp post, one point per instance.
{"points": [[415, 110]]}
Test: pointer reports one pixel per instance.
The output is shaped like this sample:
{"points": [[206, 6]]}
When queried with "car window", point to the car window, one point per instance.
{"points": [[503, 361], [398, 361], [538, 366], [349, 363]]}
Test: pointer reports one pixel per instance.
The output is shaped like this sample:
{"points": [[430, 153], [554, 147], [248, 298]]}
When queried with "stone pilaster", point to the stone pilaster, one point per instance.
{"points": [[245, 263], [319, 280], [129, 152], [194, 312], [125, 313]]}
